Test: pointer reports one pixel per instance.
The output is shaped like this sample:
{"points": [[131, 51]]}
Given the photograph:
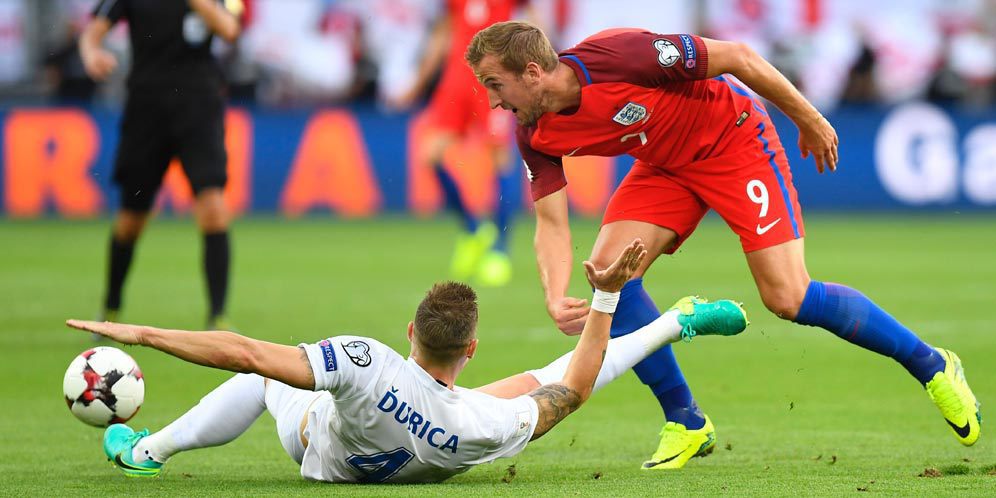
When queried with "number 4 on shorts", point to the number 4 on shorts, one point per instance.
{"points": [[380, 466]]}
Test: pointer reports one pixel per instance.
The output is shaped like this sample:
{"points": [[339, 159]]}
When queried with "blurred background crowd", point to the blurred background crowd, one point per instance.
{"points": [[314, 52]]}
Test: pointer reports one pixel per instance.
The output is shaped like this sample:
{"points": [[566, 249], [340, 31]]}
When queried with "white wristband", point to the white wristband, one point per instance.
{"points": [[604, 301]]}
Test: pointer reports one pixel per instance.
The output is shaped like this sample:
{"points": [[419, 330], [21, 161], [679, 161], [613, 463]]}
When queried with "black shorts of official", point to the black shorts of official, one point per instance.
{"points": [[158, 126]]}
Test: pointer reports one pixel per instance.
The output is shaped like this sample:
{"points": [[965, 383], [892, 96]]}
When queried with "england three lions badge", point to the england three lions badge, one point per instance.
{"points": [[630, 113]]}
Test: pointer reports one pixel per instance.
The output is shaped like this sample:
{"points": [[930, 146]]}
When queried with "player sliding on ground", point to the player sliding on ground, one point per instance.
{"points": [[350, 409], [701, 141]]}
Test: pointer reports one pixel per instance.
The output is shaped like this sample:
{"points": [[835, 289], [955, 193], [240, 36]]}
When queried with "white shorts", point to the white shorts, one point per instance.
{"points": [[289, 407]]}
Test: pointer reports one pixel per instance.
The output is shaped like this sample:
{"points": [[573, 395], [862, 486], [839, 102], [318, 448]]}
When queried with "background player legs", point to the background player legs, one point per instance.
{"points": [[477, 237], [496, 266], [786, 289], [127, 228], [212, 221], [660, 370]]}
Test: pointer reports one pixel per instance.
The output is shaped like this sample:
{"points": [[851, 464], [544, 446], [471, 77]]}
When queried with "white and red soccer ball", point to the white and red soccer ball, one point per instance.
{"points": [[103, 386]]}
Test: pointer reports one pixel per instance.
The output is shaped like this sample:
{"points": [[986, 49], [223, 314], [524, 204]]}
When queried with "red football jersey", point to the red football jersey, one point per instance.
{"points": [[459, 103], [643, 94]]}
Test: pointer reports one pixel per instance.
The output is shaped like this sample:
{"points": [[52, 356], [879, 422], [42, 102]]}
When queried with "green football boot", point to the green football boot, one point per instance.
{"points": [[220, 322], [950, 392], [469, 249], [700, 317], [680, 444], [119, 441], [105, 315], [108, 315], [495, 270]]}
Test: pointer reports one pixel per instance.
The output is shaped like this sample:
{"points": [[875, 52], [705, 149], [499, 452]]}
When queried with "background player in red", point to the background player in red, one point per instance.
{"points": [[701, 142], [458, 108]]}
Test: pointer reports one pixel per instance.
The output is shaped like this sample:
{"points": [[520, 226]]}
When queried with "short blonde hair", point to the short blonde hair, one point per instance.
{"points": [[515, 43]]}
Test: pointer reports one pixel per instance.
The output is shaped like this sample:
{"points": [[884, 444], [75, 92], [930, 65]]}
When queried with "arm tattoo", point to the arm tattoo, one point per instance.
{"points": [[307, 363], [555, 402]]}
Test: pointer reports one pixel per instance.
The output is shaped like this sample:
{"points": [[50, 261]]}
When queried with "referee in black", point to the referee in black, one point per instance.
{"points": [[174, 109]]}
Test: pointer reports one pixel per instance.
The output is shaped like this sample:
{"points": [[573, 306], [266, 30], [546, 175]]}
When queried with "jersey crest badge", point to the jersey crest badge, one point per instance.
{"points": [[667, 53], [630, 113], [358, 352]]}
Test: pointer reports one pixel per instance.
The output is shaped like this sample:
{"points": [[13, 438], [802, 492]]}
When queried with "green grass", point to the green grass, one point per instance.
{"points": [[798, 411]]}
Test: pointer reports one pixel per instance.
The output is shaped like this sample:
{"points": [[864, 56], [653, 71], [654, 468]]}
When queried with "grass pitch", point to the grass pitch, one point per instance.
{"points": [[798, 411]]}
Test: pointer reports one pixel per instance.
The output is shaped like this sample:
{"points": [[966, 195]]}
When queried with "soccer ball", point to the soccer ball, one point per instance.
{"points": [[103, 386]]}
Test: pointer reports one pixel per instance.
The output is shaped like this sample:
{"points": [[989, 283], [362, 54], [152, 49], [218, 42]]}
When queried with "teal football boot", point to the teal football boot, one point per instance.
{"points": [[119, 441], [700, 317]]}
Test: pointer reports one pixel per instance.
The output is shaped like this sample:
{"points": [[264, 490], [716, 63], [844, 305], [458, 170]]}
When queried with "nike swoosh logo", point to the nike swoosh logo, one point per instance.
{"points": [[765, 228], [962, 431], [658, 462], [121, 463], [572, 152]]}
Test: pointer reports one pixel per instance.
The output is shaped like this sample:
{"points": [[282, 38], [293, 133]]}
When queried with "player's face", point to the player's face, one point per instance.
{"points": [[518, 93]]}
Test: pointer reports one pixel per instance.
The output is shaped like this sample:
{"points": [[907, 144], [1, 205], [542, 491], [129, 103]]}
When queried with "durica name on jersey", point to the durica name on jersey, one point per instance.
{"points": [[421, 428]]}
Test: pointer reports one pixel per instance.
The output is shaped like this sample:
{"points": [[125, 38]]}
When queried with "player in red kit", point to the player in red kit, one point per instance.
{"points": [[458, 108], [701, 141]]}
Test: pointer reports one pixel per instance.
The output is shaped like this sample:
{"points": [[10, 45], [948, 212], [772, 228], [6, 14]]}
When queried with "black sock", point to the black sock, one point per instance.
{"points": [[119, 260], [216, 261]]}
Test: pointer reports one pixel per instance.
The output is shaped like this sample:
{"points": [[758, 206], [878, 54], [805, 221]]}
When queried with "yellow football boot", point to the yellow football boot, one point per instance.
{"points": [[469, 249], [950, 392], [495, 270], [679, 444]]}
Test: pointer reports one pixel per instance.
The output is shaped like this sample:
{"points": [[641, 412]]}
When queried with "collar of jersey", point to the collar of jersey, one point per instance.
{"points": [[584, 79], [430, 383]]}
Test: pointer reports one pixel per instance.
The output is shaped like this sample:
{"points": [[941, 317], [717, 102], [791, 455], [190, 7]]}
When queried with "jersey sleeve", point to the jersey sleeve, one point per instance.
{"points": [[545, 172], [514, 427], [112, 10], [345, 365], [639, 57]]}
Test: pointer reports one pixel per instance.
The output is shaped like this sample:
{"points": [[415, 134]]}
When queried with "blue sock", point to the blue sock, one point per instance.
{"points": [[660, 370], [453, 198], [508, 199], [856, 319]]}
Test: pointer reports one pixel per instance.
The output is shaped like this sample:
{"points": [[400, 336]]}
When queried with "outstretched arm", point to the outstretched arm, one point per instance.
{"points": [[554, 259], [816, 135], [556, 401], [216, 349]]}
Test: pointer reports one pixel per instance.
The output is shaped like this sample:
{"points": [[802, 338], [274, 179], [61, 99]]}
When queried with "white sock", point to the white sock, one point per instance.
{"points": [[221, 416], [622, 352]]}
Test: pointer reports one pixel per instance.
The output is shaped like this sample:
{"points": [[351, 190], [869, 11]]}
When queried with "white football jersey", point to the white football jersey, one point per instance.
{"points": [[390, 421]]}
